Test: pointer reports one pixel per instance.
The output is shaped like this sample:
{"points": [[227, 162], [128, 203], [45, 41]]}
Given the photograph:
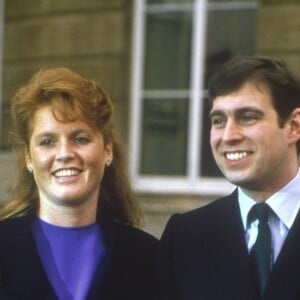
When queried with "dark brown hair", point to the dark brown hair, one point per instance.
{"points": [[283, 85]]}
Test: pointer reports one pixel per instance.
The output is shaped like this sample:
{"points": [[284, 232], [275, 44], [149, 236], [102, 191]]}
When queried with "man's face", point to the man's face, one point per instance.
{"points": [[248, 145]]}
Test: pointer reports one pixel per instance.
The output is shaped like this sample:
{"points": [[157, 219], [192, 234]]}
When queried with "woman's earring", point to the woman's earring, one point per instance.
{"points": [[30, 170], [108, 162]]}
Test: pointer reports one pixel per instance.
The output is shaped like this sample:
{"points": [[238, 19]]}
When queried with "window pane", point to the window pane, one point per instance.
{"points": [[167, 51], [169, 1], [222, 1], [164, 137], [229, 32]]}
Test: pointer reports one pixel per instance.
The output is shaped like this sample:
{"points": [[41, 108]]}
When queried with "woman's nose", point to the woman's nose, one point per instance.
{"points": [[65, 151]]}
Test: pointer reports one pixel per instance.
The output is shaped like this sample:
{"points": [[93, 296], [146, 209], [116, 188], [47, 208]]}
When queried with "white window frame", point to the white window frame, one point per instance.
{"points": [[191, 183]]}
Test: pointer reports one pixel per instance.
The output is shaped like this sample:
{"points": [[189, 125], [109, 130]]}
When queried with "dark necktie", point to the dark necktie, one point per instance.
{"points": [[262, 249]]}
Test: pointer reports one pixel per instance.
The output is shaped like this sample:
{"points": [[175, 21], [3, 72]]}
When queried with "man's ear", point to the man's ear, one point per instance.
{"points": [[294, 134]]}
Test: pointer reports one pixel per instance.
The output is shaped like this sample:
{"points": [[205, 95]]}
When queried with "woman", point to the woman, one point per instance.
{"points": [[69, 230]]}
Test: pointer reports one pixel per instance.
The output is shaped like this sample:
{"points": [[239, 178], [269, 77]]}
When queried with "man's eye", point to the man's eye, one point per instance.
{"points": [[248, 118], [81, 140], [217, 121]]}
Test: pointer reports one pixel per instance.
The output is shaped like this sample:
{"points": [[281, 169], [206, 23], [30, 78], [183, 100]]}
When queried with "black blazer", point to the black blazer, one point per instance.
{"points": [[127, 274], [203, 256]]}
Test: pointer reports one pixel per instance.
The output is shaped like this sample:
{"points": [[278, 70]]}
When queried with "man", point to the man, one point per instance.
{"points": [[218, 252]]}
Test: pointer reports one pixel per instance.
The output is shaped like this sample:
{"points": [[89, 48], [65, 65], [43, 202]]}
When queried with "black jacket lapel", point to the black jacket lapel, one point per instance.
{"points": [[284, 282]]}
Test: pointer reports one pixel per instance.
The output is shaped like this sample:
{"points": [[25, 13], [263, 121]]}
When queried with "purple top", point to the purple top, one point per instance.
{"points": [[70, 256]]}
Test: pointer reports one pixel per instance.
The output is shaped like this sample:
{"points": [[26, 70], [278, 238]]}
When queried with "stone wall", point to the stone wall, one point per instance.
{"points": [[278, 33]]}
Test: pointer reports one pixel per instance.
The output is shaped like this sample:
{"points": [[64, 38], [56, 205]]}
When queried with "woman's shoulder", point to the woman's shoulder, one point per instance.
{"points": [[130, 232], [15, 222], [15, 227], [131, 239]]}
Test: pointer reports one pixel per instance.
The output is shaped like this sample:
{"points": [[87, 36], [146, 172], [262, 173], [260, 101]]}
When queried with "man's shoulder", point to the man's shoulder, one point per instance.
{"points": [[213, 214], [215, 207]]}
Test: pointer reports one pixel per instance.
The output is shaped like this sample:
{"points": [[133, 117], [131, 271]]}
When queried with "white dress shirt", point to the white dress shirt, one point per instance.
{"points": [[285, 205]]}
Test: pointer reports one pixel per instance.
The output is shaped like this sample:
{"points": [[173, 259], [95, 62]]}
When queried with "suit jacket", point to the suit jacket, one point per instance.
{"points": [[128, 272], [203, 256]]}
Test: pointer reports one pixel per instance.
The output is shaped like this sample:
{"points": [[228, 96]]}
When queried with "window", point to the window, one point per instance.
{"points": [[177, 46]]}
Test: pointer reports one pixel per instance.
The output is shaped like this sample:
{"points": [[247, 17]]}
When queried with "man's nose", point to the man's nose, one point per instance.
{"points": [[232, 131]]}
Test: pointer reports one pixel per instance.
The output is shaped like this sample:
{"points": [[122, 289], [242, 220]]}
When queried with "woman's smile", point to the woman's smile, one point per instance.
{"points": [[67, 158]]}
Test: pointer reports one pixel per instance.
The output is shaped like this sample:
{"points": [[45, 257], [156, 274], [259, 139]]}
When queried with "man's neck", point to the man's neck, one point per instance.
{"points": [[260, 193]]}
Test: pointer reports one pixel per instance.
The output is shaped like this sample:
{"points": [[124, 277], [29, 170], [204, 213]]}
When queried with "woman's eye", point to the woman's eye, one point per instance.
{"points": [[46, 142], [81, 140]]}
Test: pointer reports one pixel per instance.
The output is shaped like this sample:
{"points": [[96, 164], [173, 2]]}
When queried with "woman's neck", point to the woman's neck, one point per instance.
{"points": [[68, 216]]}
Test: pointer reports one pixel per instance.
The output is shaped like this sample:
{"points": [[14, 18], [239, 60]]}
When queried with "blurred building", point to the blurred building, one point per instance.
{"points": [[154, 57]]}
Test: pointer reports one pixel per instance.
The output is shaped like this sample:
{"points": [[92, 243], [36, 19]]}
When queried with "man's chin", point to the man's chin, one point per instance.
{"points": [[239, 179]]}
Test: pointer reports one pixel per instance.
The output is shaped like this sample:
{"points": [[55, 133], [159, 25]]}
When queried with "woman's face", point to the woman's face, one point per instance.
{"points": [[68, 160]]}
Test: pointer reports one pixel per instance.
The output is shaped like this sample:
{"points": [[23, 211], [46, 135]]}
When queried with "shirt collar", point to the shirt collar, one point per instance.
{"points": [[285, 203]]}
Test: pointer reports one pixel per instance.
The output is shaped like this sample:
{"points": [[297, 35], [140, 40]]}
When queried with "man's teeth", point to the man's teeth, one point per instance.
{"points": [[67, 172], [236, 155]]}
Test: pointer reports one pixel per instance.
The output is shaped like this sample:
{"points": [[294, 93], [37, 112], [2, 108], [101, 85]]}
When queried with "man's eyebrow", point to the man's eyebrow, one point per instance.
{"points": [[216, 112], [250, 109], [237, 111]]}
